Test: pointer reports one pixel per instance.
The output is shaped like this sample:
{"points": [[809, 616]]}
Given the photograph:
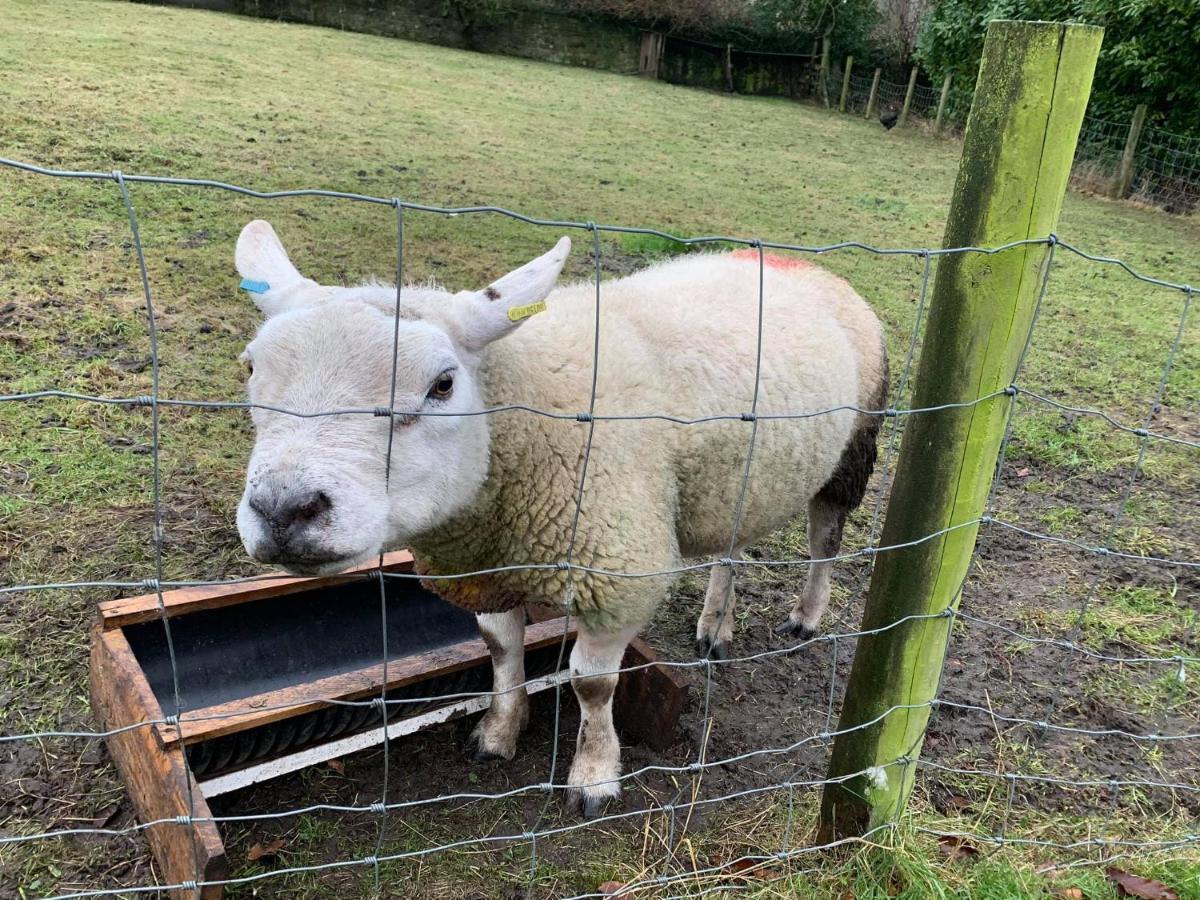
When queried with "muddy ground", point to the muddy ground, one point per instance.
{"points": [[1028, 586]]}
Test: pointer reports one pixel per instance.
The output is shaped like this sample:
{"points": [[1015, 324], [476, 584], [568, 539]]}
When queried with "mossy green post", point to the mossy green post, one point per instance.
{"points": [[1033, 88], [845, 84]]}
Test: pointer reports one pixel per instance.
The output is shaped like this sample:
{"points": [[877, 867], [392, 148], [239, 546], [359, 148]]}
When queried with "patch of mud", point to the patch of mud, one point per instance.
{"points": [[766, 720]]}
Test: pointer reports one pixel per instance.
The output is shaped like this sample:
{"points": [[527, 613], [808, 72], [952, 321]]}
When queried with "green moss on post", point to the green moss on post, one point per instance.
{"points": [[1033, 88]]}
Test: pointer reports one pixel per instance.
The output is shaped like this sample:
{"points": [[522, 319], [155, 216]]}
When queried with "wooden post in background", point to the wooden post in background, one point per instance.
{"points": [[1034, 82], [874, 95], [651, 54], [908, 95], [729, 68], [823, 78], [1124, 180], [941, 111], [845, 84]]}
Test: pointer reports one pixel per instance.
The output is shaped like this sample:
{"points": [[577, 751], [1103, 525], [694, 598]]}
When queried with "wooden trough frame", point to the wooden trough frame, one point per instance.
{"points": [[258, 665]]}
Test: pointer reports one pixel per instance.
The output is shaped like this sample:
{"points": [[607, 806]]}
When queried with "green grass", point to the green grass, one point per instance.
{"points": [[149, 90]]}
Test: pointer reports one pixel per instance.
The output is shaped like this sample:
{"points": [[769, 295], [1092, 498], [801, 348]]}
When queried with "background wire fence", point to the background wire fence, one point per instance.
{"points": [[1166, 169], [784, 778]]}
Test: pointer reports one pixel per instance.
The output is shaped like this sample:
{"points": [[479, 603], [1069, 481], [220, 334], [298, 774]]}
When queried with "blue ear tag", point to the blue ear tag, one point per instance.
{"points": [[254, 287]]}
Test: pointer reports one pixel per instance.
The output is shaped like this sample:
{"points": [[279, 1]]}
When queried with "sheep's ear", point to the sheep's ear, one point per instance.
{"points": [[504, 304], [267, 273]]}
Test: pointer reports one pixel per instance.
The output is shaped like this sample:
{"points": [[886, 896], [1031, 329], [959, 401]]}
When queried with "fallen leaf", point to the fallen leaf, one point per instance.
{"points": [[955, 847], [1135, 886], [106, 815], [749, 868], [611, 887], [337, 765], [957, 802], [1024, 473], [259, 851], [1069, 893]]}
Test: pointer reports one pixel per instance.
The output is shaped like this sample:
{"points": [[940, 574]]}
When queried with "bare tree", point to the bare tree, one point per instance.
{"points": [[694, 16], [901, 23]]}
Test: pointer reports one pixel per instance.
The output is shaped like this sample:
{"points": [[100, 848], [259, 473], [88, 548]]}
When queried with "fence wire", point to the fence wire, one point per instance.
{"points": [[673, 870], [1166, 165]]}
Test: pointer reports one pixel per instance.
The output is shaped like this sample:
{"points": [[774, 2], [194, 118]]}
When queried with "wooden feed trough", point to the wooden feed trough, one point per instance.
{"points": [[256, 663]]}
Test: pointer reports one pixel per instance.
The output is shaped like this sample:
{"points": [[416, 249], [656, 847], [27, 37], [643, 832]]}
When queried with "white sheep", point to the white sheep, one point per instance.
{"points": [[468, 492]]}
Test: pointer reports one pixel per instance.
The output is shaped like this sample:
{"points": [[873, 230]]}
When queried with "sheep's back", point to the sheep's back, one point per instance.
{"points": [[680, 339]]}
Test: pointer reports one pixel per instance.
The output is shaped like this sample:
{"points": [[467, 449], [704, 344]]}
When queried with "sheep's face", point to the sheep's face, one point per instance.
{"points": [[320, 493]]}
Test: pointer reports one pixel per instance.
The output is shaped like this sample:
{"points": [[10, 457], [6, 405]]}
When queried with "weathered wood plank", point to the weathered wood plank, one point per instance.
{"points": [[155, 776], [144, 607], [272, 706]]}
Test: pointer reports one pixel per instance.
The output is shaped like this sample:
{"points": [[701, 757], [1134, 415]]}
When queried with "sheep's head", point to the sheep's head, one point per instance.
{"points": [[320, 495]]}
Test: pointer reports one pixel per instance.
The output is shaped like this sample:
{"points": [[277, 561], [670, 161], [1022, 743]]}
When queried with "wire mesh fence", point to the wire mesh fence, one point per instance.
{"points": [[1167, 170], [1166, 166], [982, 775]]}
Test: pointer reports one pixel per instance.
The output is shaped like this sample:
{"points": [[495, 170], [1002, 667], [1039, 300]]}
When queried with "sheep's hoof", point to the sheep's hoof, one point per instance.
{"points": [[481, 753], [706, 649], [587, 803], [796, 629]]}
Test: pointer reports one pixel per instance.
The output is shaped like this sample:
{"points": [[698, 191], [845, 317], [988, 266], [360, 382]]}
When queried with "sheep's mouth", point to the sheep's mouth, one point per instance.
{"points": [[323, 564]]}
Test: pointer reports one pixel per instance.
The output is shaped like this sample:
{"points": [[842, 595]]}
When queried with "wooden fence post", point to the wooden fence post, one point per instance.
{"points": [[845, 84], [651, 54], [1124, 180], [823, 78], [729, 67], [941, 112], [1033, 88], [874, 95], [908, 95]]}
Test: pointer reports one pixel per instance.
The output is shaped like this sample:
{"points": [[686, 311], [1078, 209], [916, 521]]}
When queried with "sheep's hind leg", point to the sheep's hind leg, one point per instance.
{"points": [[714, 629], [597, 766], [825, 523], [495, 737]]}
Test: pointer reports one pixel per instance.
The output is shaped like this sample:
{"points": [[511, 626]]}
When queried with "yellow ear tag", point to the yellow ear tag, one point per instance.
{"points": [[517, 313]]}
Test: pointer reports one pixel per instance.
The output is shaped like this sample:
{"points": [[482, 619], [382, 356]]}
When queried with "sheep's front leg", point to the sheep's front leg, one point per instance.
{"points": [[594, 664], [495, 737], [825, 523], [714, 630]]}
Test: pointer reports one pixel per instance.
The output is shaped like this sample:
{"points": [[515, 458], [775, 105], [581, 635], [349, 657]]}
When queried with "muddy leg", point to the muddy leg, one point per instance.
{"points": [[714, 628], [495, 736], [594, 662], [825, 523]]}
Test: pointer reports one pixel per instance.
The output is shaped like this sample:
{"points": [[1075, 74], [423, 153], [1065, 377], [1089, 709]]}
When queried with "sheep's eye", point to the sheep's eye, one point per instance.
{"points": [[443, 387]]}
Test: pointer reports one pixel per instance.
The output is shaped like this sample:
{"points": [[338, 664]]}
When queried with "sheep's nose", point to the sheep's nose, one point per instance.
{"points": [[291, 512]]}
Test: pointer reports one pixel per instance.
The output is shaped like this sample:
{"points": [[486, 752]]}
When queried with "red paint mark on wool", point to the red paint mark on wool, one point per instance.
{"points": [[774, 260]]}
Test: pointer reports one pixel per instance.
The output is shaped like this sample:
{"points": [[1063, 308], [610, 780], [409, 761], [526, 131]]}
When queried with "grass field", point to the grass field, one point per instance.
{"points": [[104, 86]]}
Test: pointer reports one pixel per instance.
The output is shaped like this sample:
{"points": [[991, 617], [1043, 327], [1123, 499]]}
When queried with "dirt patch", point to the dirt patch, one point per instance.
{"points": [[767, 714], [766, 720]]}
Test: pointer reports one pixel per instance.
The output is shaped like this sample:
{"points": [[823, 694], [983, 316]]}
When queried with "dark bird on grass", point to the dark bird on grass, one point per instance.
{"points": [[889, 114]]}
